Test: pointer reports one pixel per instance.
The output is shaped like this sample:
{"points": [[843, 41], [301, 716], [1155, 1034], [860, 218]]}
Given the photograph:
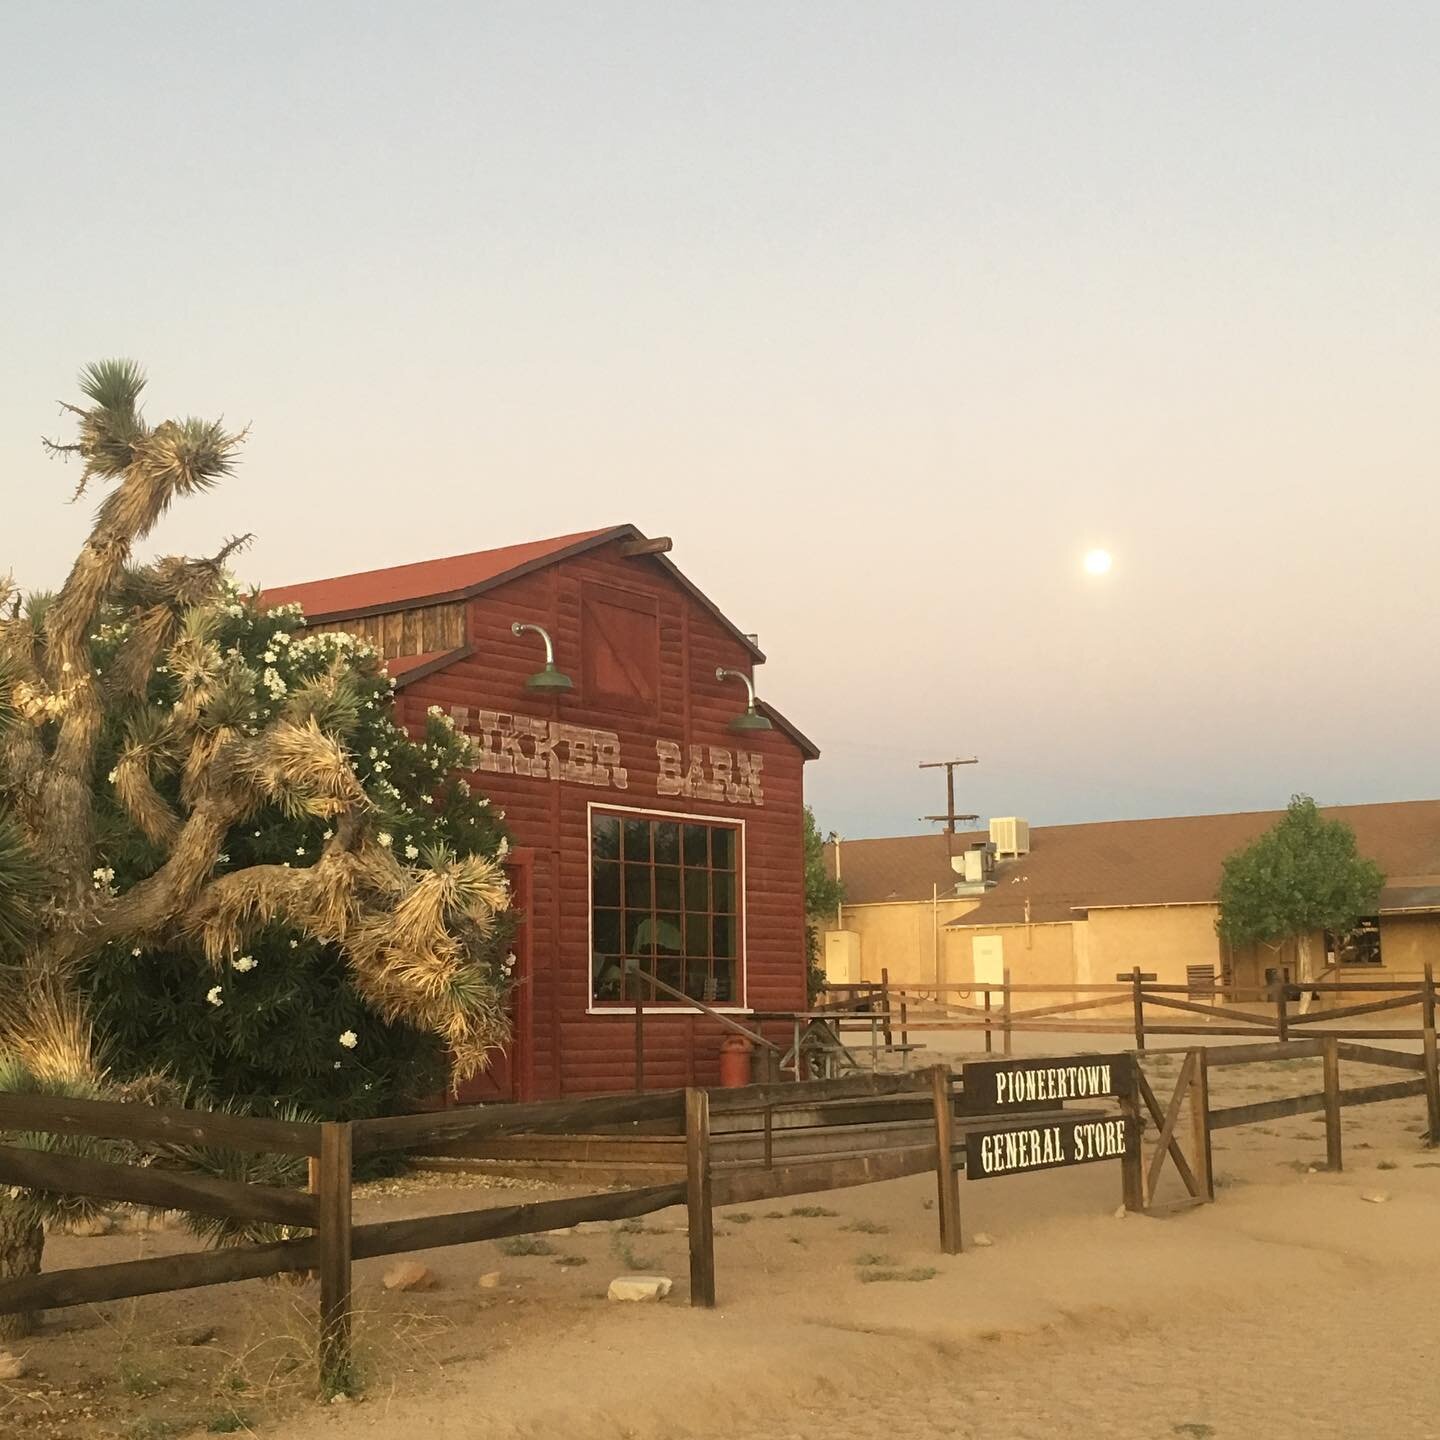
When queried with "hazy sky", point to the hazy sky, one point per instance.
{"points": [[886, 312]]}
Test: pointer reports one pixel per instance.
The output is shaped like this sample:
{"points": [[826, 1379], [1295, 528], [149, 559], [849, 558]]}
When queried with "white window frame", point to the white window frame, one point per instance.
{"points": [[736, 823]]}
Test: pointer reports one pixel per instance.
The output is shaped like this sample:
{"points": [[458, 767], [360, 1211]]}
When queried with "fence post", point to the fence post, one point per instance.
{"points": [[701, 1224], [1005, 1007], [945, 1174], [1200, 1121], [639, 1043], [1432, 1068], [1282, 1019], [1331, 1052], [1137, 1001], [989, 1043], [885, 1004], [334, 1244], [1132, 1163]]}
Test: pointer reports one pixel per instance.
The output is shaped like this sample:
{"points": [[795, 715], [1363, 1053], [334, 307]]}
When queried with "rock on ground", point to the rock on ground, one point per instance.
{"points": [[490, 1280], [410, 1275], [12, 1366], [639, 1287]]}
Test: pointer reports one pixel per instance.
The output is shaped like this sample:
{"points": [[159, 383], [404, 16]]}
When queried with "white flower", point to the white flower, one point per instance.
{"points": [[136, 950], [337, 1065], [412, 852], [327, 834], [299, 849], [294, 944], [385, 839], [349, 1039], [213, 995], [269, 657], [503, 849], [113, 774], [245, 963]]}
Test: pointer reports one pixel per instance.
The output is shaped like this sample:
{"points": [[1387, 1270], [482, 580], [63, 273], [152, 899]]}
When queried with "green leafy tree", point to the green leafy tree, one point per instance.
{"points": [[823, 893], [1302, 875], [249, 879]]}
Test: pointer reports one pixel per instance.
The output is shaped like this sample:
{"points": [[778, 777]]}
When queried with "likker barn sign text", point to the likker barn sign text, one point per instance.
{"points": [[510, 744]]}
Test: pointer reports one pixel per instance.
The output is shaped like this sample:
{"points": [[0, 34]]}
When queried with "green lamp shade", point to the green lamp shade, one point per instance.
{"points": [[751, 720], [551, 680]]}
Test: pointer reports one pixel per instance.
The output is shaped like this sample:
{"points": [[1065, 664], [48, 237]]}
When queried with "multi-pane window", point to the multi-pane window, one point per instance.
{"points": [[665, 901], [1360, 947]]}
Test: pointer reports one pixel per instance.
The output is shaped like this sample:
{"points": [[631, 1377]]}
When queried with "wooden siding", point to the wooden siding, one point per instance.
{"points": [[575, 1052], [420, 631]]}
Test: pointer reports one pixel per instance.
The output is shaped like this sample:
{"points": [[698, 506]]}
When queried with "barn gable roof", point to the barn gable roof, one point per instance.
{"points": [[461, 577]]}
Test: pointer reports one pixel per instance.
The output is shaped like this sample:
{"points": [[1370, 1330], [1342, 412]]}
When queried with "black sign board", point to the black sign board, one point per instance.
{"points": [[991, 1085], [1046, 1146]]}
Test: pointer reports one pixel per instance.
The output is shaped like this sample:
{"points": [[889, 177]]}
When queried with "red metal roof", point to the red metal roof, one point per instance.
{"points": [[452, 578], [405, 668], [458, 577]]}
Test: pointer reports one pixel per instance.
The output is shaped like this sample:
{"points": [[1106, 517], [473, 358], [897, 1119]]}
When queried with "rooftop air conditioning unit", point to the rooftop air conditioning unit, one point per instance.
{"points": [[1010, 836], [977, 864]]}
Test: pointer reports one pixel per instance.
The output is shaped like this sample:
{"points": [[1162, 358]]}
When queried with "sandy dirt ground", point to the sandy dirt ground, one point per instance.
{"points": [[1301, 1303]]}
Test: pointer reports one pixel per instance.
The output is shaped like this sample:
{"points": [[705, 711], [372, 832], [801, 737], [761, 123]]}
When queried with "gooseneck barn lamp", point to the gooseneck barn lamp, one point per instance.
{"points": [[549, 680], [750, 718]]}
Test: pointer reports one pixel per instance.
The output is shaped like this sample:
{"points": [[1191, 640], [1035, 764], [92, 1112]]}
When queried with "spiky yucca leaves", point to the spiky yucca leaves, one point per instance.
{"points": [[25, 1213], [22, 890], [301, 939], [202, 783], [41, 1206]]}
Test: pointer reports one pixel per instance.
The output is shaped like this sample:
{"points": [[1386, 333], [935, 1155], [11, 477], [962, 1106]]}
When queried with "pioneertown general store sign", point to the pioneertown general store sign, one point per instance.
{"points": [[582, 755], [997, 1086]]}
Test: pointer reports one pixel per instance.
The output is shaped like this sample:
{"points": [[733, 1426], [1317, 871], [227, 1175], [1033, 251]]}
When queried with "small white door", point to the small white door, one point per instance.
{"points": [[989, 957]]}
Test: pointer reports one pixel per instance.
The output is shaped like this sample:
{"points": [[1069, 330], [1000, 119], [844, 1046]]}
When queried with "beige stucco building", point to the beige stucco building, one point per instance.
{"points": [[1079, 904]]}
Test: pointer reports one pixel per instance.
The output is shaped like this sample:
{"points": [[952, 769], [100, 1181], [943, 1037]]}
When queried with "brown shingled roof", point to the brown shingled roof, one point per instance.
{"points": [[907, 867], [1173, 861]]}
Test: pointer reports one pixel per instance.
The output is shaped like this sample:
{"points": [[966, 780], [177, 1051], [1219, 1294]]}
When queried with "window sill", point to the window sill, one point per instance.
{"points": [[676, 1009]]}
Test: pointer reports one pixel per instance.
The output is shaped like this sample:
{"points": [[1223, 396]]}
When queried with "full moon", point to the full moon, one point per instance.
{"points": [[1097, 562]]}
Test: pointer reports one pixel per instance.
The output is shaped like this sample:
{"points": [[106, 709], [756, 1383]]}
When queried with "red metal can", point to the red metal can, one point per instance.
{"points": [[735, 1054]]}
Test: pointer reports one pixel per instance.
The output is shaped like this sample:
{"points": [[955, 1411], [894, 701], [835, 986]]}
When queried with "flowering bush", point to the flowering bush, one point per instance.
{"points": [[281, 1021]]}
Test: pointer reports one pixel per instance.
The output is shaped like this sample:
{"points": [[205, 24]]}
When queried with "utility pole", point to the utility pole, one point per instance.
{"points": [[949, 817]]}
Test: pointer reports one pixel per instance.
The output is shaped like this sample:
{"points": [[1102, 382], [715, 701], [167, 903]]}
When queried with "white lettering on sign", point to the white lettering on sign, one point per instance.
{"points": [[544, 749], [1058, 1082], [1043, 1147], [509, 744], [708, 773]]}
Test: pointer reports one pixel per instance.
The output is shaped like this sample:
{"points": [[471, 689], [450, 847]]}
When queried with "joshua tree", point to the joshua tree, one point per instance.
{"points": [[171, 745]]}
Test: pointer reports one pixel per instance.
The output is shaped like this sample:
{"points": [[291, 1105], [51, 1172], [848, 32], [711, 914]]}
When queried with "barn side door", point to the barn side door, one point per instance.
{"points": [[509, 1074]]}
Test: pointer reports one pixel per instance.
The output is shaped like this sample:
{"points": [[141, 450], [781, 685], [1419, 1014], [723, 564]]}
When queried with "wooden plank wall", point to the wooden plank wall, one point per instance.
{"points": [[576, 1053], [418, 631]]}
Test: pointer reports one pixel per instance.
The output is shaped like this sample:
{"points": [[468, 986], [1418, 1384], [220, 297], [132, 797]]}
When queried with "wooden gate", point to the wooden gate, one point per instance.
{"points": [[1192, 1092]]}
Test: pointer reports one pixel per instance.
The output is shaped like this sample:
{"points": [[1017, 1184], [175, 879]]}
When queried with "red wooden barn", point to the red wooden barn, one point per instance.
{"points": [[652, 837]]}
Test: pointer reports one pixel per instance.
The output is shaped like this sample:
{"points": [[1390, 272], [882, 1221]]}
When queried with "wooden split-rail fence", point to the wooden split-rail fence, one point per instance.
{"points": [[696, 1148], [877, 1020]]}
